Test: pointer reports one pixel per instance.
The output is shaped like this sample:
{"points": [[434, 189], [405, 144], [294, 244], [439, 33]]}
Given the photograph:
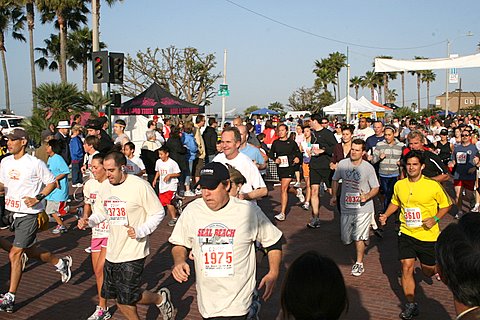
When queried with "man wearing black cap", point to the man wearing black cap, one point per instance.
{"points": [[221, 232], [94, 127], [22, 177]]}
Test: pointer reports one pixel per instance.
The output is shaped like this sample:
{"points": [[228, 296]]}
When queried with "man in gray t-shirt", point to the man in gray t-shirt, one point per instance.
{"points": [[359, 186]]}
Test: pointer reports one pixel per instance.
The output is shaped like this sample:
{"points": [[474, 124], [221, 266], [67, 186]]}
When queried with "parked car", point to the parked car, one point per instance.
{"points": [[9, 122]]}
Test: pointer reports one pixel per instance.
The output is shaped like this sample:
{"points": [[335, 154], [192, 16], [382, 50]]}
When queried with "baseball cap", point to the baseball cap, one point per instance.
{"points": [[212, 174], [444, 132], [17, 134], [93, 124]]}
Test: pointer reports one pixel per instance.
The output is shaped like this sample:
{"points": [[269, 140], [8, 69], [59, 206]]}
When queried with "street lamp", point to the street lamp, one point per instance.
{"points": [[447, 71]]}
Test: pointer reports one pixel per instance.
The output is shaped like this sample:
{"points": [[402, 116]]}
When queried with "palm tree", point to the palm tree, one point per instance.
{"points": [[95, 99], [79, 45], [428, 76], [11, 18], [336, 62], [418, 73], [69, 13], [324, 74], [30, 9], [356, 83], [369, 80], [51, 55], [59, 100], [391, 96]]}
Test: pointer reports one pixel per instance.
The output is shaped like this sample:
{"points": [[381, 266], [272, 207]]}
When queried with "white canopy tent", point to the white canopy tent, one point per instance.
{"points": [[393, 65], [340, 107]]}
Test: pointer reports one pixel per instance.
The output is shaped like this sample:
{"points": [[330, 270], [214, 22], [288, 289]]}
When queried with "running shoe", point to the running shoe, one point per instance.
{"points": [[314, 223], [198, 192], [411, 310], [24, 260], [66, 271], [357, 269], [59, 229], [79, 213], [88, 250], [172, 222], [189, 193], [7, 302], [280, 217], [166, 306], [306, 206], [100, 314], [476, 208], [300, 195], [254, 309], [297, 185], [459, 215]]}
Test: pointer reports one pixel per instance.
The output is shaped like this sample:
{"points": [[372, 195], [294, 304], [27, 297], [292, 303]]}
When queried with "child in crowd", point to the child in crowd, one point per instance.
{"points": [[167, 173], [56, 200], [77, 153], [134, 163]]}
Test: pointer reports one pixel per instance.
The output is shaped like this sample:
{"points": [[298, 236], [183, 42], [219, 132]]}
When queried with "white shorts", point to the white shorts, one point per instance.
{"points": [[355, 227]]}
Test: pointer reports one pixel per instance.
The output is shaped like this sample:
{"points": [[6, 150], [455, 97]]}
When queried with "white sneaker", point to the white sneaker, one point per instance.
{"points": [[300, 195], [198, 192], [306, 206], [189, 193], [476, 207], [357, 269], [280, 217], [297, 185]]}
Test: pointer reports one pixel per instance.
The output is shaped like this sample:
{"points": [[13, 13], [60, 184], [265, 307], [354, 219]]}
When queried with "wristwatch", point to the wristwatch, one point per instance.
{"points": [[40, 196]]}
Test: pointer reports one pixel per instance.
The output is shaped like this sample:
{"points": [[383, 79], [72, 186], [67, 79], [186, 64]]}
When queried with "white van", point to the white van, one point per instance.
{"points": [[10, 122]]}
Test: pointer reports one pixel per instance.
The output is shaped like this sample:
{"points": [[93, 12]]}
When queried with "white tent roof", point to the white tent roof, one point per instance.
{"points": [[392, 65], [355, 107]]}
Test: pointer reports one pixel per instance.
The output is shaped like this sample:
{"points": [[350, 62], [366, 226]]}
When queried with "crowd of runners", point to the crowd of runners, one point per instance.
{"points": [[368, 170]]}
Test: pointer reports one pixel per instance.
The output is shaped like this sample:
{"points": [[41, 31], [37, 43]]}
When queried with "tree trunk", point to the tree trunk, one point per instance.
{"points": [[385, 87], [5, 75], [356, 93], [63, 44], [372, 89], [338, 86], [403, 88], [85, 76], [428, 95], [31, 26], [418, 91], [97, 87]]}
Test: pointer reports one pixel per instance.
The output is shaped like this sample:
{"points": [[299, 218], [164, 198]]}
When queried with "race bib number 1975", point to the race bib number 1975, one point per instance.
{"points": [[217, 260]]}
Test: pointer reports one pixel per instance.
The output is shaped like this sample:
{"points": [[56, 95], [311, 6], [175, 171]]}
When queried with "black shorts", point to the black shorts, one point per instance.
{"points": [[318, 176], [411, 248], [286, 172], [121, 281]]}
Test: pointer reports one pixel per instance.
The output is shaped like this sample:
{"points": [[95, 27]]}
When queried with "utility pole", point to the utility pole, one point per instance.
{"points": [[447, 75], [347, 102], [224, 98], [97, 87]]}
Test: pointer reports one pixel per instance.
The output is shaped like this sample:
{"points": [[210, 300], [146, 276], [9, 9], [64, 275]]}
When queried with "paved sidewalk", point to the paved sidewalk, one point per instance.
{"points": [[375, 295]]}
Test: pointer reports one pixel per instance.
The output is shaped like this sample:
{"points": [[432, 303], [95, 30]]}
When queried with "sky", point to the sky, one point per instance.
{"points": [[272, 44]]}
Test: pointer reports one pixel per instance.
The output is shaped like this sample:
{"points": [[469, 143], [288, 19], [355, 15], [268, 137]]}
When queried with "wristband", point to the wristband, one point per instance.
{"points": [[40, 196], [436, 219]]}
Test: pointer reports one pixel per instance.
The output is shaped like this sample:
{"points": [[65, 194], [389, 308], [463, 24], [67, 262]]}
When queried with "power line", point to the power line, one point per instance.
{"points": [[327, 38]]}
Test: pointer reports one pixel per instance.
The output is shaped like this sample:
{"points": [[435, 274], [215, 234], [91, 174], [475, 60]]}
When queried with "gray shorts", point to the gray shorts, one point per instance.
{"points": [[52, 207], [25, 229], [355, 227]]}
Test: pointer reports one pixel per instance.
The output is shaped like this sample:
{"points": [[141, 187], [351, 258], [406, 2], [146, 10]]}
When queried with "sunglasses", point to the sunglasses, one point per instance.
{"points": [[324, 122], [465, 135]]}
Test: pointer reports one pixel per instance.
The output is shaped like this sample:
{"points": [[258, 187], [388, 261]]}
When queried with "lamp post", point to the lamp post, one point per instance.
{"points": [[447, 71]]}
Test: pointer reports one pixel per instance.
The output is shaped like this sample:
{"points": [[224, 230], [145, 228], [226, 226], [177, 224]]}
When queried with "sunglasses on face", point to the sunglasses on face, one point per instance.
{"points": [[465, 135]]}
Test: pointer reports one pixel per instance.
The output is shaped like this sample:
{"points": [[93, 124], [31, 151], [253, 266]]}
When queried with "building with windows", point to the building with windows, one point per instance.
{"points": [[458, 100]]}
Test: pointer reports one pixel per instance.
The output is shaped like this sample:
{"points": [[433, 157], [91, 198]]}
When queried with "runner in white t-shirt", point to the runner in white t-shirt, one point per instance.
{"points": [[167, 173], [22, 178], [220, 230], [133, 212], [134, 165]]}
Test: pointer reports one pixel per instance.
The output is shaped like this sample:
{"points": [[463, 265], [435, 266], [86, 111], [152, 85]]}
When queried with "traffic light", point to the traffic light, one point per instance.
{"points": [[116, 68], [100, 66]]}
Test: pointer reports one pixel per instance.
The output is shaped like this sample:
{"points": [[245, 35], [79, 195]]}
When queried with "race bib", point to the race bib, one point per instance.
{"points": [[352, 200], [117, 212], [217, 260], [12, 204], [283, 161], [461, 157], [101, 231], [413, 217]]}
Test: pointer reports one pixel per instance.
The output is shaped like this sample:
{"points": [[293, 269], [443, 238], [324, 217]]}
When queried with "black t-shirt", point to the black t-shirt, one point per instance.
{"points": [[326, 140]]}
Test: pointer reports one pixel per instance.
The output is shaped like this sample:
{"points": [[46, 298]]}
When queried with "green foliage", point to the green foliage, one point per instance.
{"points": [[325, 99], [35, 124], [404, 112], [429, 112], [276, 106], [94, 99], [250, 110]]}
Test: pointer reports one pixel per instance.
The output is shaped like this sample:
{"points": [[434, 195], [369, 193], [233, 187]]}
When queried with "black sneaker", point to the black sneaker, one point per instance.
{"points": [[6, 303], [411, 310]]}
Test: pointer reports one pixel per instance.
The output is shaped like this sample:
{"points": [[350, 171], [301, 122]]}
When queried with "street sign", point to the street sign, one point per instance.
{"points": [[453, 74], [223, 91]]}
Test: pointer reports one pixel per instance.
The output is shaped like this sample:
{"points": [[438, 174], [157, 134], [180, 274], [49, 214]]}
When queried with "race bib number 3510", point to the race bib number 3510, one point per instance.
{"points": [[217, 260]]}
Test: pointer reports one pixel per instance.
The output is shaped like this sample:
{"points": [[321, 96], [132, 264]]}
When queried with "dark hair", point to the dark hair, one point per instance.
{"points": [[164, 148], [316, 116], [99, 157], [211, 121], [313, 289], [415, 154], [269, 124], [118, 157], [249, 126], [283, 125], [236, 133], [360, 142], [56, 145], [458, 257], [121, 122], [130, 144], [348, 127], [150, 123], [199, 118], [92, 141]]}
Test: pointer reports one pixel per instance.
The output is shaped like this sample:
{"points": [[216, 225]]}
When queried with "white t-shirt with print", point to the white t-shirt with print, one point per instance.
{"points": [[24, 177], [90, 191], [222, 243], [168, 167]]}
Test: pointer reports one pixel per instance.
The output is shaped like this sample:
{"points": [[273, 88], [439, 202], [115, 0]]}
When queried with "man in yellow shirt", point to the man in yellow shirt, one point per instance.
{"points": [[422, 203]]}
